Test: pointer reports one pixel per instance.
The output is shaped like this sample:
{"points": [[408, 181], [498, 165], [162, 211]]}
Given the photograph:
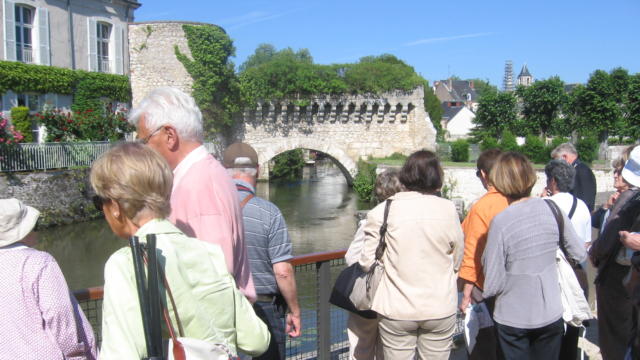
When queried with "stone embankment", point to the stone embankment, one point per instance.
{"points": [[61, 196]]}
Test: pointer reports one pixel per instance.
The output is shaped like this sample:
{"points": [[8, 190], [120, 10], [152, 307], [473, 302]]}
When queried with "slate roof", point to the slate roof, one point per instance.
{"points": [[524, 71], [449, 112], [457, 92]]}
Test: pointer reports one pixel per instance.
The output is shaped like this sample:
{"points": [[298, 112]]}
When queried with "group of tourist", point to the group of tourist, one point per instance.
{"points": [[223, 254], [503, 256]]}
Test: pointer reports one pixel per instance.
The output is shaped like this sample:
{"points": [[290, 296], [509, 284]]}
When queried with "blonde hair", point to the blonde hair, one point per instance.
{"points": [[618, 163], [136, 177], [513, 175]]}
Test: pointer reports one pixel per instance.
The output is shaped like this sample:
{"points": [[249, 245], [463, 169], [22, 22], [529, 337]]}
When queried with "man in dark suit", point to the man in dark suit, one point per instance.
{"points": [[584, 187]]}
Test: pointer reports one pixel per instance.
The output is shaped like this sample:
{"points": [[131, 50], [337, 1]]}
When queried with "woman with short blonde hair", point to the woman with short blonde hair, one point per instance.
{"points": [[519, 265], [133, 186]]}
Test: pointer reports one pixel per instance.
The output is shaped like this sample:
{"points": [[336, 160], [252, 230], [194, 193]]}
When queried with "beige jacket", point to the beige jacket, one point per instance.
{"points": [[425, 245]]}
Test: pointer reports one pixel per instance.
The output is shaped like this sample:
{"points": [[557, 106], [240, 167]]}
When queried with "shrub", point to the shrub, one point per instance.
{"points": [[535, 150], [8, 134], [288, 165], [22, 122], [489, 142], [460, 150], [587, 149], [508, 142], [365, 180]]}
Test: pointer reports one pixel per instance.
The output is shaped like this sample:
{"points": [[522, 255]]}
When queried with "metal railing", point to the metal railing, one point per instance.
{"points": [[27, 55], [104, 65], [324, 334], [32, 156], [48, 156]]}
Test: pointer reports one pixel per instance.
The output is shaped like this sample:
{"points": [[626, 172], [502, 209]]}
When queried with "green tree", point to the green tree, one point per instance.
{"points": [[434, 108], [483, 87], [496, 112], [508, 141], [633, 107], [215, 86], [542, 103], [460, 150], [264, 53], [288, 165], [594, 107], [376, 74]]}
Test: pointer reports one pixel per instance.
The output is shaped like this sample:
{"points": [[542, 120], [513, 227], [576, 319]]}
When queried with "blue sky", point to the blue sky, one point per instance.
{"points": [[470, 39]]}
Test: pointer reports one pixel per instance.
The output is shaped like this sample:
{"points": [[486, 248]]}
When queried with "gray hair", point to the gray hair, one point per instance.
{"points": [[387, 184], [170, 106], [563, 173], [251, 171], [564, 148]]}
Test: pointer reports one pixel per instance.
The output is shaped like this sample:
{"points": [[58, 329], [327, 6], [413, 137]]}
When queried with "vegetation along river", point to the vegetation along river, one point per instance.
{"points": [[319, 213]]}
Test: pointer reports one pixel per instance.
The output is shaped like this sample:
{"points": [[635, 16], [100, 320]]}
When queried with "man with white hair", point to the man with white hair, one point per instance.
{"points": [[584, 187], [269, 249], [204, 200]]}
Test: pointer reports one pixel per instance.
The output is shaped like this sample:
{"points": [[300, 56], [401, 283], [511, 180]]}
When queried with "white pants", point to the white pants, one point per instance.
{"points": [[364, 342]]}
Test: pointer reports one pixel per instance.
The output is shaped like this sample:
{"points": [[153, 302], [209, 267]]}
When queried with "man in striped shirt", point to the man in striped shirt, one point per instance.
{"points": [[269, 250]]}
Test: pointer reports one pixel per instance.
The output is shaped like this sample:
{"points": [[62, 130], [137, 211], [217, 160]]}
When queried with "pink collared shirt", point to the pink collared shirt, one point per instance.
{"points": [[204, 205], [39, 319]]}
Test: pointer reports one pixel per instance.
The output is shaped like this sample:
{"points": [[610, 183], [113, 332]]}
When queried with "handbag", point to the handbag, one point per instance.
{"points": [[180, 347], [574, 304], [354, 288]]}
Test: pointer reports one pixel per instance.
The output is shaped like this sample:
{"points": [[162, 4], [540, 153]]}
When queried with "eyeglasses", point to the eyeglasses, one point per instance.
{"points": [[478, 173], [146, 139], [98, 202]]}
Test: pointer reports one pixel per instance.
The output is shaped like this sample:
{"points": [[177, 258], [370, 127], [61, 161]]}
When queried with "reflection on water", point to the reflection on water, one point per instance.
{"points": [[319, 214]]}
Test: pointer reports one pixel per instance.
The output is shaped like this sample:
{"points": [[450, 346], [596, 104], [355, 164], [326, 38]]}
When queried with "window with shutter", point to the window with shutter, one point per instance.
{"points": [[9, 30], [43, 36], [103, 35], [24, 33], [93, 51]]}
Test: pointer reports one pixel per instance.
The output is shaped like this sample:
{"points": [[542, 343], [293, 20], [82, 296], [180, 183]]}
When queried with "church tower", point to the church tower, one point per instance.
{"points": [[507, 82], [525, 78]]}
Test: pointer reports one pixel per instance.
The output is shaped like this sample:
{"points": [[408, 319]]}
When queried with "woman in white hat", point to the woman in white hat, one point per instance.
{"points": [[39, 318]]}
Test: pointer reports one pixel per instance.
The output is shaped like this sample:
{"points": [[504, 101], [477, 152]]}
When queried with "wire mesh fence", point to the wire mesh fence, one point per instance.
{"points": [[324, 326]]}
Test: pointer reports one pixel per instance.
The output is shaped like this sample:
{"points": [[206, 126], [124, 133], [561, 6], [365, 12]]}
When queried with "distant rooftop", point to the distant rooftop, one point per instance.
{"points": [[524, 71]]}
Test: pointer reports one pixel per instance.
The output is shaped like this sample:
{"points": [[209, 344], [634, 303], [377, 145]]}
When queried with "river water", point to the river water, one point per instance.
{"points": [[319, 213]]}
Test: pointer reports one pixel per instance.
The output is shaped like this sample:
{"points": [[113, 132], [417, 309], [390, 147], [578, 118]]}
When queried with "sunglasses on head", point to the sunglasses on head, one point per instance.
{"points": [[98, 202]]}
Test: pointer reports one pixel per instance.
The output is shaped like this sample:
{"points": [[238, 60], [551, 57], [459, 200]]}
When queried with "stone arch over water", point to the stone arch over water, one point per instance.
{"points": [[346, 165]]}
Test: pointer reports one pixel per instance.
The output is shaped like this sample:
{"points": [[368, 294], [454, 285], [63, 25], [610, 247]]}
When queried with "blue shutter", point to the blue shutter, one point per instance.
{"points": [[9, 30], [93, 45], [43, 36]]}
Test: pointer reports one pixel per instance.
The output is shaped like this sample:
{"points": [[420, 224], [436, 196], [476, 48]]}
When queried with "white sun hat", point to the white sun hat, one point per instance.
{"points": [[16, 221], [631, 170]]}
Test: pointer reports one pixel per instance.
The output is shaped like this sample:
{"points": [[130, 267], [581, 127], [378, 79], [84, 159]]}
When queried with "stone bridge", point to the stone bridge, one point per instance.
{"points": [[346, 128]]}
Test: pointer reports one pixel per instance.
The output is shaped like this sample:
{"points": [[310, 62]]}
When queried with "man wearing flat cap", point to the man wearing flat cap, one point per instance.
{"points": [[269, 250]]}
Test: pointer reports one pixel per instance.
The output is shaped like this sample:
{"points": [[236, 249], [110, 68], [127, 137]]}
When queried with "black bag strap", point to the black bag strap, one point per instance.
{"points": [[557, 213], [574, 205], [382, 244]]}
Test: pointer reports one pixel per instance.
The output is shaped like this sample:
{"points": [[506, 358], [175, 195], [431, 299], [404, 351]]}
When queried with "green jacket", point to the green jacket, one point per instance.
{"points": [[209, 303]]}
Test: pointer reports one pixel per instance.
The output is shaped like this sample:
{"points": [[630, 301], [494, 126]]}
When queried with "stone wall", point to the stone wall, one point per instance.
{"points": [[346, 128], [153, 59], [61, 196]]}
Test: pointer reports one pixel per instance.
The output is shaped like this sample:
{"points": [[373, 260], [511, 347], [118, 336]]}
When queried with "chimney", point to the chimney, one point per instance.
{"points": [[450, 84], [471, 84]]}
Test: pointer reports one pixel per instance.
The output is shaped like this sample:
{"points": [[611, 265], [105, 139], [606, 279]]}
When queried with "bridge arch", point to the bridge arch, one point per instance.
{"points": [[346, 165]]}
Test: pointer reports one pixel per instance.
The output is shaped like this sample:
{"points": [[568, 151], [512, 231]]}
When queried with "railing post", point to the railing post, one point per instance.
{"points": [[324, 317]]}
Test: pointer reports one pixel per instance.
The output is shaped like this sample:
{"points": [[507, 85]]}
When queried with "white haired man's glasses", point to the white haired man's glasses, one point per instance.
{"points": [[146, 139]]}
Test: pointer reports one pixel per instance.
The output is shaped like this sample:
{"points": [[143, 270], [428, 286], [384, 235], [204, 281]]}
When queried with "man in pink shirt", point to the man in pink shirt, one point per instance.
{"points": [[204, 201]]}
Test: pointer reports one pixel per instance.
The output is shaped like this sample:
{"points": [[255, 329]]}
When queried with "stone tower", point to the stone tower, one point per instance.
{"points": [[525, 78], [507, 82]]}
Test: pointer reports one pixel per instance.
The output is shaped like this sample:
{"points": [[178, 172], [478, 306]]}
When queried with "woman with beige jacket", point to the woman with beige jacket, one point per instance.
{"points": [[417, 296]]}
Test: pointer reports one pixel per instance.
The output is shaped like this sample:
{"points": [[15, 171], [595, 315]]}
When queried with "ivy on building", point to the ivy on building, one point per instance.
{"points": [[86, 87], [215, 86]]}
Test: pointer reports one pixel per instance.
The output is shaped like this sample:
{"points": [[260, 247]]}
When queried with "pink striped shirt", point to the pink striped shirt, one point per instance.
{"points": [[39, 317], [204, 205]]}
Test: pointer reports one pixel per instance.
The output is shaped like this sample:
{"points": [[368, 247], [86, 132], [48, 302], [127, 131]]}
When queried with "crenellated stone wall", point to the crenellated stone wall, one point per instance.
{"points": [[346, 128]]}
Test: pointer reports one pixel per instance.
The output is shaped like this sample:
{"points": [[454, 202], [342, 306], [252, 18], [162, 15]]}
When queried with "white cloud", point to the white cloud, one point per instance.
{"points": [[446, 38], [251, 18]]}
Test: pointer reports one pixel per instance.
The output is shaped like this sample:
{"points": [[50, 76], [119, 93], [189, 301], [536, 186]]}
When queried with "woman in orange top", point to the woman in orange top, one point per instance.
{"points": [[475, 227]]}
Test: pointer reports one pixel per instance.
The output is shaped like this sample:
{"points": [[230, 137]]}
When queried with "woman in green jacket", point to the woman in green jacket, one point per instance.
{"points": [[133, 186]]}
